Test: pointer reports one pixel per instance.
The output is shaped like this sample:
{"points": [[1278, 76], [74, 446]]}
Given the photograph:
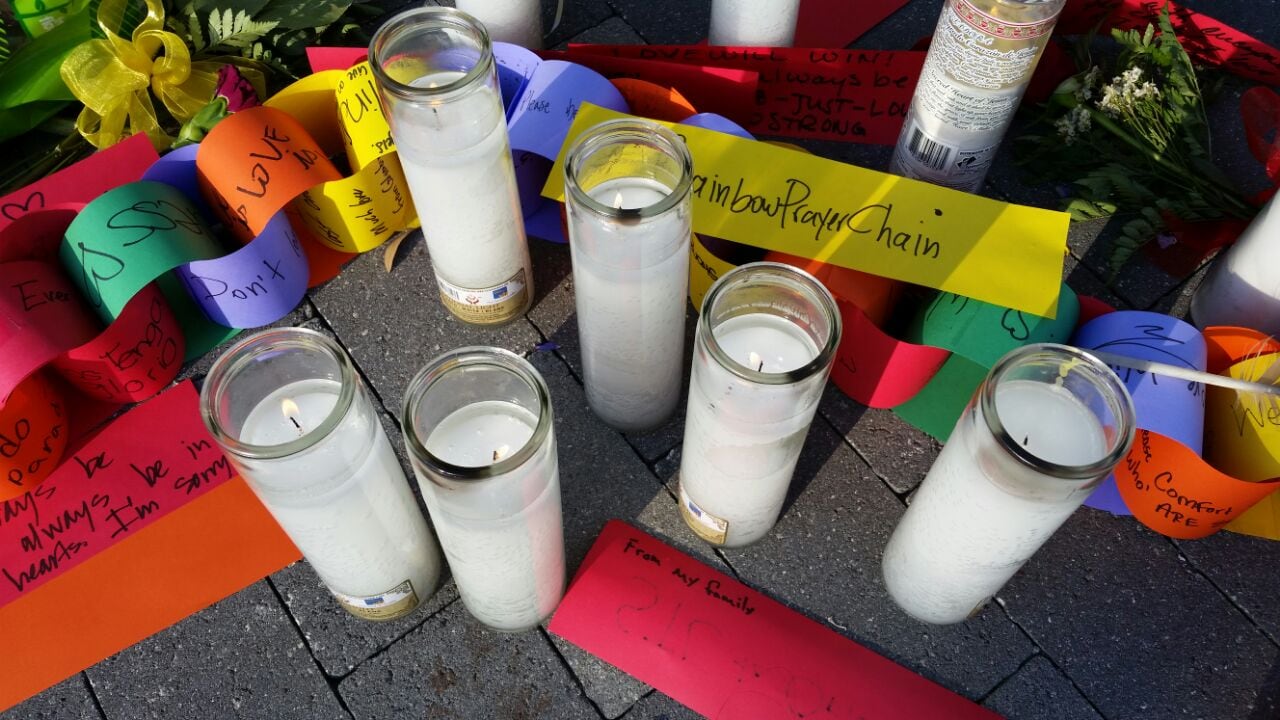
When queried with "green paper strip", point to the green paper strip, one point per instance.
{"points": [[133, 235], [978, 334]]}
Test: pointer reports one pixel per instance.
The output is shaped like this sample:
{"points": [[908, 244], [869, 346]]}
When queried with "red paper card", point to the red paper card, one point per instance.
{"points": [[84, 181], [724, 91], [143, 527], [1203, 37], [835, 24], [727, 651], [847, 95]]}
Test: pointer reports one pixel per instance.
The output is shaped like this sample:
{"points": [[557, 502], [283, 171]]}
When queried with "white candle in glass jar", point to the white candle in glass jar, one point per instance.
{"points": [[980, 515], [742, 439], [457, 161], [513, 21], [344, 502], [502, 535], [754, 23], [630, 285], [1243, 286]]}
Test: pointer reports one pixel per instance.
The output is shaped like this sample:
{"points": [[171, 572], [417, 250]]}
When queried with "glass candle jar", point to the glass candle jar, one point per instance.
{"points": [[978, 67], [291, 414], [478, 424], [754, 23], [765, 342], [627, 197], [1047, 425], [439, 87]]}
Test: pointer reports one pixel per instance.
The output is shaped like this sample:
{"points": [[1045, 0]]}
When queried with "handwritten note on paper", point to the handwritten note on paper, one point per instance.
{"points": [[847, 95], [882, 224], [128, 476], [725, 650], [1243, 438], [141, 529], [33, 435], [1172, 408]]}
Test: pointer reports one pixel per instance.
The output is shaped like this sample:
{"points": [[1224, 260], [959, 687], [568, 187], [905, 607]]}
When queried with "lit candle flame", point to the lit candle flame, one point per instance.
{"points": [[754, 360], [501, 452], [290, 410], [617, 200]]}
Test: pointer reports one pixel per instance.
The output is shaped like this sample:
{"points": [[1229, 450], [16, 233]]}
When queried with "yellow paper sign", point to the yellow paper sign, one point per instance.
{"points": [[778, 199], [1242, 439], [341, 111]]}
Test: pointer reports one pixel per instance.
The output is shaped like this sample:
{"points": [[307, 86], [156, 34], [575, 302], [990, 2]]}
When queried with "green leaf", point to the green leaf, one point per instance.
{"points": [[1085, 210], [236, 31], [300, 14]]}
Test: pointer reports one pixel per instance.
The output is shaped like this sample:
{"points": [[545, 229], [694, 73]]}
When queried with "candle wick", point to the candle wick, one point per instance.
{"points": [[501, 452], [294, 420], [760, 367], [617, 200], [1025, 440]]}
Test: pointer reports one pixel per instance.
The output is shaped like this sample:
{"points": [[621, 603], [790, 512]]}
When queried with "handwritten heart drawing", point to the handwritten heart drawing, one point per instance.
{"points": [[13, 211]]}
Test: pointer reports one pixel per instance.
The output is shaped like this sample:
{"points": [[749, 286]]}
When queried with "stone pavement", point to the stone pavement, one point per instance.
{"points": [[1108, 621]]}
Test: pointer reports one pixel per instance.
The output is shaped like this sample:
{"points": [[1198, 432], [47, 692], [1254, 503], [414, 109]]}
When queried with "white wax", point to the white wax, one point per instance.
{"points": [[457, 161], [765, 343], [502, 535], [1243, 286], [980, 514], [754, 23], [344, 502], [742, 439], [514, 21], [630, 285]]}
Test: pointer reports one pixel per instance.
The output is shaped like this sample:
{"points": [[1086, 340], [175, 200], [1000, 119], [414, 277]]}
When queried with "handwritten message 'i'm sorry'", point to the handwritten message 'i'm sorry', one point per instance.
{"points": [[109, 490]]}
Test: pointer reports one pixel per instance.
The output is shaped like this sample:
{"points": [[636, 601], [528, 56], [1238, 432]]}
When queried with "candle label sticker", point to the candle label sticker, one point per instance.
{"points": [[704, 525], [486, 306], [394, 603], [812, 207]]}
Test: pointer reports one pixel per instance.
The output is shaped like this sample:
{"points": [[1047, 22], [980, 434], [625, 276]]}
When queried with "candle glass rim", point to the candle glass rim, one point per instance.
{"points": [[446, 17], [246, 350], [634, 131], [820, 362], [470, 356], [1101, 376]]}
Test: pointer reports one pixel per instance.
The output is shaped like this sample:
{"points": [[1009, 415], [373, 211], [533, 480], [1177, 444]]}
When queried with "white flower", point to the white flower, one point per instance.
{"points": [[1073, 124]]}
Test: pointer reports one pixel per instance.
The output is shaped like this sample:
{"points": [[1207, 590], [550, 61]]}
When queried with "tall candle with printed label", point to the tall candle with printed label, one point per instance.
{"points": [[288, 409], [1049, 424], [438, 80], [479, 430], [765, 343], [628, 207], [510, 21], [754, 23], [978, 67]]}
